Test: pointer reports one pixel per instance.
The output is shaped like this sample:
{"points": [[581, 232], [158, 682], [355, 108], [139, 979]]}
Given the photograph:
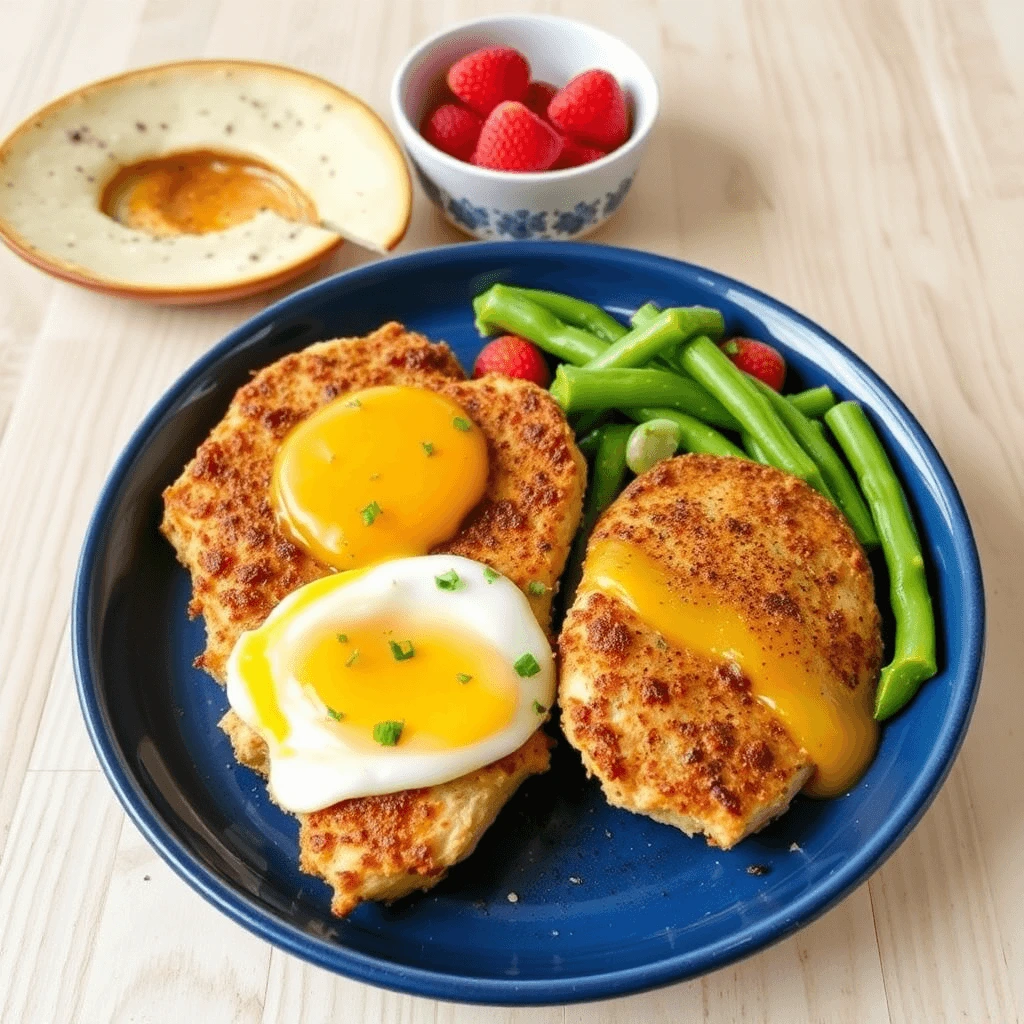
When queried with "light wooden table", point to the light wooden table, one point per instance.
{"points": [[864, 161]]}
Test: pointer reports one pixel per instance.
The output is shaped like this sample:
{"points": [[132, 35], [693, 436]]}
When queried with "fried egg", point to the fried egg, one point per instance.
{"points": [[409, 673], [387, 472]]}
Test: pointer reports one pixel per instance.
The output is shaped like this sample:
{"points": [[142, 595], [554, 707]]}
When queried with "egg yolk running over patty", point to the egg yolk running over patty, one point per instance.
{"points": [[446, 686], [411, 673], [388, 472]]}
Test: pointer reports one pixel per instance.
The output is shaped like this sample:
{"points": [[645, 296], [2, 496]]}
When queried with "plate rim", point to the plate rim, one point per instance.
{"points": [[466, 988]]}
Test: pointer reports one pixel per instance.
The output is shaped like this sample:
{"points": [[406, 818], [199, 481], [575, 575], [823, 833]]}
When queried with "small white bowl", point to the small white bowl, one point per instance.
{"points": [[506, 205]]}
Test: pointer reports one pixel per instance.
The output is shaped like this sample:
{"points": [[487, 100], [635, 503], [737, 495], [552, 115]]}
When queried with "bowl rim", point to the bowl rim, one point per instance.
{"points": [[411, 136], [468, 988], [228, 289]]}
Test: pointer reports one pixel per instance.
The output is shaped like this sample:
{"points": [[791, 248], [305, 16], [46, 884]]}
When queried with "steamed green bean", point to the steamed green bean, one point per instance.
{"points": [[694, 436], [575, 312], [914, 657], [842, 488], [607, 475], [504, 308], [580, 388], [709, 366]]}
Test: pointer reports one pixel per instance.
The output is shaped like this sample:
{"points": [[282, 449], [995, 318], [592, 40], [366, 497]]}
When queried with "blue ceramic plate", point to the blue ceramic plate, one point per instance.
{"points": [[609, 902]]}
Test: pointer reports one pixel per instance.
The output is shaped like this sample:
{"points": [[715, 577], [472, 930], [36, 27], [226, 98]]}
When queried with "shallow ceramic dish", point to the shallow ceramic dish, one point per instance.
{"points": [[499, 204], [608, 902], [328, 167]]}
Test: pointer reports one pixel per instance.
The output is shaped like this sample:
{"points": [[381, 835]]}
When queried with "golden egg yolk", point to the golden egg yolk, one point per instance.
{"points": [[388, 472], [196, 192], [833, 723], [446, 686]]}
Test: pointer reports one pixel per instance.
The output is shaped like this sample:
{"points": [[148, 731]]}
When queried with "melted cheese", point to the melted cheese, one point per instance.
{"points": [[831, 721]]}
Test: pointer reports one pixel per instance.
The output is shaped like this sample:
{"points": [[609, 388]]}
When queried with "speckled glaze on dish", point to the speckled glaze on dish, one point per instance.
{"points": [[605, 902], [53, 169]]}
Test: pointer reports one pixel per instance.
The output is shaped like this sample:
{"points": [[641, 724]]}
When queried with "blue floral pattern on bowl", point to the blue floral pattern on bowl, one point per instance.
{"points": [[613, 200], [491, 222], [581, 216], [466, 215], [520, 224]]}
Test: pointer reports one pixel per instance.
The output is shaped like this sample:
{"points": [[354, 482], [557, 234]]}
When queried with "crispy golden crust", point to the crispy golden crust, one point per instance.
{"points": [[528, 518], [217, 514], [218, 517], [669, 732], [385, 847]]}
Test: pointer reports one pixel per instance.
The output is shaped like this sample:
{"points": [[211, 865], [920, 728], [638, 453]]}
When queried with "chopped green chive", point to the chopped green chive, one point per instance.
{"points": [[538, 707], [402, 651], [536, 588], [448, 580], [526, 665], [351, 660], [343, 638], [336, 715], [490, 575], [428, 448], [370, 513], [461, 423], [353, 403], [462, 677], [387, 733]]}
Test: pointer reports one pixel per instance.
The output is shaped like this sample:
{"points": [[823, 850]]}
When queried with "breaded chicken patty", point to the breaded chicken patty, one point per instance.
{"points": [[384, 847], [675, 733], [219, 518]]}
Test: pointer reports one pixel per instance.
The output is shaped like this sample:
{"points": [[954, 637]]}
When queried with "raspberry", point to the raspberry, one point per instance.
{"points": [[514, 357], [758, 359], [537, 97], [515, 139], [591, 109], [573, 155], [485, 78], [453, 129]]}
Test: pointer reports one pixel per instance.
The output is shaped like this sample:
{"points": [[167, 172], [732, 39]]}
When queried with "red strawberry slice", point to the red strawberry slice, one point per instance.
{"points": [[758, 359], [592, 110], [485, 78], [537, 97], [453, 129], [514, 357], [515, 139], [574, 155]]}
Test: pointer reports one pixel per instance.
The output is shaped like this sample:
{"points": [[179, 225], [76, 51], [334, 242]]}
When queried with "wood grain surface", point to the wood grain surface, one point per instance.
{"points": [[861, 159]]}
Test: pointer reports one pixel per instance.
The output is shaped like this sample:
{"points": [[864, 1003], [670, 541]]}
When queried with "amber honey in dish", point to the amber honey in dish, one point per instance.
{"points": [[200, 191]]}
